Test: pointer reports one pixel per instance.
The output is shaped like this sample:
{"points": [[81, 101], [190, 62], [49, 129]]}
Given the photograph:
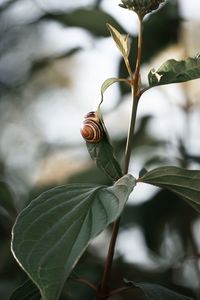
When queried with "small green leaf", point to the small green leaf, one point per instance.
{"points": [[103, 155], [173, 71], [108, 82], [121, 41], [185, 183], [157, 292], [27, 291], [51, 234]]}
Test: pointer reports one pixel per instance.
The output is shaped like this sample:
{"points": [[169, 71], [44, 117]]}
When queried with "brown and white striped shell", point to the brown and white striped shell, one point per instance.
{"points": [[91, 128]]}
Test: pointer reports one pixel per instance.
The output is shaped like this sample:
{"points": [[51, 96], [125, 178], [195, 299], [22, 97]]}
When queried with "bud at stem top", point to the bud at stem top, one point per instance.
{"points": [[141, 7]]}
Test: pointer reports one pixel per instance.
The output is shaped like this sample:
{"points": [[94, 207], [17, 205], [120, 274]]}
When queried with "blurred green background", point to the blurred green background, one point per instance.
{"points": [[54, 56]]}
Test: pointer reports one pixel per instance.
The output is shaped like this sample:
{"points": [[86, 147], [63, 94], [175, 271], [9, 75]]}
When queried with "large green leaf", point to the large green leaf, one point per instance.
{"points": [[102, 153], [51, 234], [93, 20], [173, 71], [27, 291], [185, 183], [157, 292]]}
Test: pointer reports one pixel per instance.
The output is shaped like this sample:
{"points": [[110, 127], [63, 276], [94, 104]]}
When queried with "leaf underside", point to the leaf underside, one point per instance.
{"points": [[51, 234], [185, 183], [103, 155], [173, 71]]}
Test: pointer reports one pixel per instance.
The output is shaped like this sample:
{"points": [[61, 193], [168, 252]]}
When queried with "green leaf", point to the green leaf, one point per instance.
{"points": [[93, 20], [173, 71], [185, 183], [27, 291], [194, 205], [102, 153], [51, 234], [163, 28], [122, 42], [108, 82], [155, 292]]}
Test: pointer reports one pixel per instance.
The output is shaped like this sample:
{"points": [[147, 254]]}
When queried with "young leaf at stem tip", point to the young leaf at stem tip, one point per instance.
{"points": [[122, 42]]}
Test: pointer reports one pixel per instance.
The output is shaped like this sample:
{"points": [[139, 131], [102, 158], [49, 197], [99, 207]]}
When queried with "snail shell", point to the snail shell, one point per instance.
{"points": [[92, 129]]}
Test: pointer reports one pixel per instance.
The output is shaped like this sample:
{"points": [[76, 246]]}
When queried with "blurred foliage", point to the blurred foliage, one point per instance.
{"points": [[93, 20], [162, 217]]}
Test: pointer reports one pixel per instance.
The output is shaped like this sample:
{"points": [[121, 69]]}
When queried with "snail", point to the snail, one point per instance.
{"points": [[92, 129]]}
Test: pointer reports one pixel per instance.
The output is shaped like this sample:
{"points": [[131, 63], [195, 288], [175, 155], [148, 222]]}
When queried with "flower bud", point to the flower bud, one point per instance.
{"points": [[141, 7]]}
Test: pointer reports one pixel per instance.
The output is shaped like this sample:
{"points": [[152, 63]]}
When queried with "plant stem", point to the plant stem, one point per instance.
{"points": [[130, 132], [139, 56], [119, 290], [135, 97], [135, 89], [86, 282], [109, 259], [129, 69]]}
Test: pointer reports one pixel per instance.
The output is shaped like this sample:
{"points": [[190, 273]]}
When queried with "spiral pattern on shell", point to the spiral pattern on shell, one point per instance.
{"points": [[91, 128]]}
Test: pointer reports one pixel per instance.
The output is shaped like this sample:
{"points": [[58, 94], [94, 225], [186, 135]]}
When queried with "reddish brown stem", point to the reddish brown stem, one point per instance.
{"points": [[135, 99], [119, 290], [84, 281], [138, 64], [106, 274]]}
